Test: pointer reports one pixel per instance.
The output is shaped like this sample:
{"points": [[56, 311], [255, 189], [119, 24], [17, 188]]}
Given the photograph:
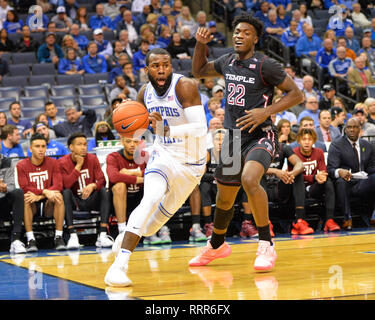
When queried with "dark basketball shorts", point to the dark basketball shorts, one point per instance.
{"points": [[236, 150]]}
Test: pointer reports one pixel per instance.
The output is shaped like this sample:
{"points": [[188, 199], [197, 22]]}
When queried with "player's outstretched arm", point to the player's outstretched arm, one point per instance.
{"points": [[201, 67]]}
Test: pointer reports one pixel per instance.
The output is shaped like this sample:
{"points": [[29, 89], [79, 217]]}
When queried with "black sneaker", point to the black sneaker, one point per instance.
{"points": [[31, 246], [59, 244]]}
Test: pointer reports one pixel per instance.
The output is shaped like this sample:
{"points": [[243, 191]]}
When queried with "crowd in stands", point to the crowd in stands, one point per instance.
{"points": [[79, 38]]}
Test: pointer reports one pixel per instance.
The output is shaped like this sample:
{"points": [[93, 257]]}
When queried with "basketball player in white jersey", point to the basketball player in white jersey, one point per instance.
{"points": [[177, 162]]}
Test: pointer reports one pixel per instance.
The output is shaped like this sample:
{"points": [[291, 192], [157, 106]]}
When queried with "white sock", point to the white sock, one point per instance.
{"points": [[58, 233], [123, 256], [121, 227], [30, 235], [196, 226], [102, 234]]}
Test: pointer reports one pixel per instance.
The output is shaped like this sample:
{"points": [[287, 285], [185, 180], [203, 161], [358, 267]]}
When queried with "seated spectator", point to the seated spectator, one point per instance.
{"points": [[370, 103], [6, 45], [272, 26], [176, 7], [351, 41], [125, 173], [139, 58], [84, 187], [63, 22], [54, 149], [3, 121], [218, 39], [305, 18], [347, 155], [328, 97], [185, 18], [324, 56], [286, 114], [108, 114], [130, 79], [312, 110], [10, 142], [290, 35], [68, 42], [26, 43], [152, 21], [220, 114], [100, 21], [212, 105], [291, 71], [104, 46], [81, 121], [165, 12], [121, 90], [4, 8], [341, 42], [129, 48], [325, 131], [49, 51], [208, 185], [262, 14], [367, 129], [309, 43], [359, 78], [93, 62], [129, 24], [117, 66], [51, 112], [11, 202], [51, 28], [12, 23], [287, 4], [81, 39], [338, 116], [118, 52], [308, 87], [317, 183], [297, 17], [340, 23], [282, 16], [339, 67], [369, 51], [286, 135], [359, 18], [118, 16], [308, 123], [188, 38], [165, 37], [42, 117], [141, 13], [111, 9], [178, 48], [71, 8], [201, 21], [102, 132], [82, 19], [44, 188], [23, 125]]}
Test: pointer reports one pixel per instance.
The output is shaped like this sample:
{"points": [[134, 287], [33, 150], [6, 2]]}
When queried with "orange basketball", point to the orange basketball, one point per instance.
{"points": [[130, 118]]}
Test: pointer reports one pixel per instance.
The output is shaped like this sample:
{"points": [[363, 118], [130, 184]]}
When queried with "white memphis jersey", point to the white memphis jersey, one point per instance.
{"points": [[187, 150]]}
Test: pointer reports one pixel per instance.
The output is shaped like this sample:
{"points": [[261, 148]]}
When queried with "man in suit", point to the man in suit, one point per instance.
{"points": [[325, 131], [359, 78], [347, 155]]}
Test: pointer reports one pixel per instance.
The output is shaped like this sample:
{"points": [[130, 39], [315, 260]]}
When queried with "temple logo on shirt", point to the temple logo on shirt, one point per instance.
{"points": [[309, 167], [39, 178], [82, 180], [238, 78]]}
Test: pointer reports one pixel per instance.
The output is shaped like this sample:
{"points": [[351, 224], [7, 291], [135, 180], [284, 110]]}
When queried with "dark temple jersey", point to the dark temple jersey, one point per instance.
{"points": [[249, 84]]}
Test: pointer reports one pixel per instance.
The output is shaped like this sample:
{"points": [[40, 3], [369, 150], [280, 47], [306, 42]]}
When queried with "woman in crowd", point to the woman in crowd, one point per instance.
{"points": [[71, 64], [286, 135]]}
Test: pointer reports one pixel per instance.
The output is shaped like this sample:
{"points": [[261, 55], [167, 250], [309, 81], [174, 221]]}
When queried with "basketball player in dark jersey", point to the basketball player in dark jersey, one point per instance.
{"points": [[251, 140]]}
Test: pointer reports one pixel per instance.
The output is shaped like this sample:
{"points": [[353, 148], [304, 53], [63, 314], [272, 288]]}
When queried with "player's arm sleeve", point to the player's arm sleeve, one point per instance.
{"points": [[197, 126], [272, 72]]}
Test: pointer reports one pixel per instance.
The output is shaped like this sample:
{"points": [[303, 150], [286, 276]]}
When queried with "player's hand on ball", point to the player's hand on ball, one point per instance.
{"points": [[203, 35], [157, 124], [253, 118]]}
